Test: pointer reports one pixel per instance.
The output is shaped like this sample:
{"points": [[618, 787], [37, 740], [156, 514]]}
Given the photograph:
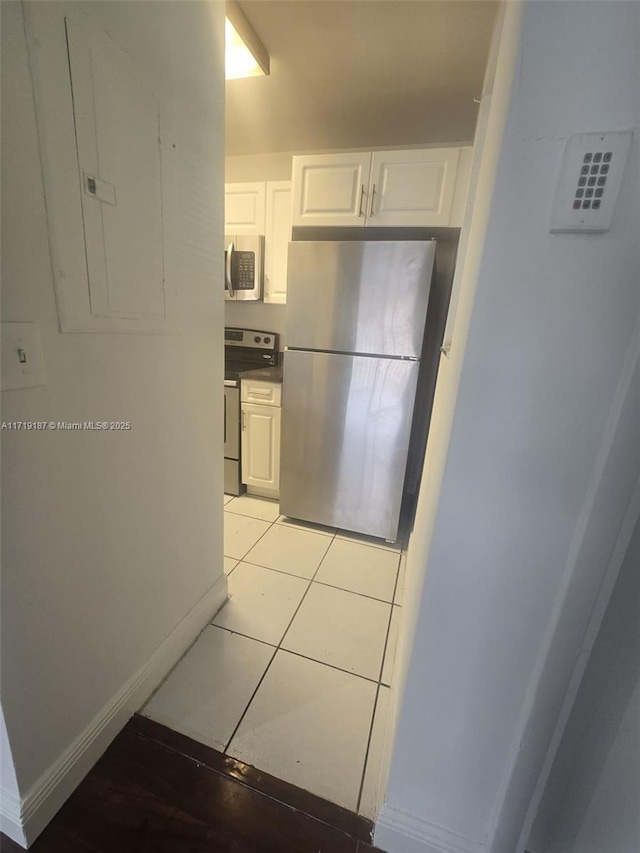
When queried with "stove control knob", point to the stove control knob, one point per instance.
{"points": [[267, 340], [257, 339]]}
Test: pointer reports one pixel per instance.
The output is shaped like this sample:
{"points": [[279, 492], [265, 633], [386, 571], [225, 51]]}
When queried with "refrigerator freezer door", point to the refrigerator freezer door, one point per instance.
{"points": [[359, 297], [346, 422]]}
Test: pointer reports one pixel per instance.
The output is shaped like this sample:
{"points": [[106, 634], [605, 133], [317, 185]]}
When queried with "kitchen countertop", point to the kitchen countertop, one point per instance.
{"points": [[264, 374]]}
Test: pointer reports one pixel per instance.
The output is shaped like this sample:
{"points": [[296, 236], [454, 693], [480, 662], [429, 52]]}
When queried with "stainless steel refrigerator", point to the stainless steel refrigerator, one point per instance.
{"points": [[354, 330]]}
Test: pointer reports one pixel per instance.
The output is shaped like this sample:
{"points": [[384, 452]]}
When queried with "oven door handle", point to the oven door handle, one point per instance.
{"points": [[227, 272]]}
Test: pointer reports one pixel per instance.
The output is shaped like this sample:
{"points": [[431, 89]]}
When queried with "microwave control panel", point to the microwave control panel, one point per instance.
{"points": [[244, 271]]}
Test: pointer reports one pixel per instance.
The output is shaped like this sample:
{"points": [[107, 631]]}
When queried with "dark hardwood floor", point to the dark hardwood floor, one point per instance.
{"points": [[155, 791]]}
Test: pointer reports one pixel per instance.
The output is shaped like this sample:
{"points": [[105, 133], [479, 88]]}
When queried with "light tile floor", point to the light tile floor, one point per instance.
{"points": [[293, 674]]}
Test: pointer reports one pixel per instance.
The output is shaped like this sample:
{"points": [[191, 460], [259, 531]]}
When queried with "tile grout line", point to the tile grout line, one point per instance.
{"points": [[367, 750], [278, 647], [242, 716], [299, 655], [375, 704], [246, 515], [322, 583], [270, 523], [241, 560], [244, 636], [290, 526], [251, 698], [271, 569]]}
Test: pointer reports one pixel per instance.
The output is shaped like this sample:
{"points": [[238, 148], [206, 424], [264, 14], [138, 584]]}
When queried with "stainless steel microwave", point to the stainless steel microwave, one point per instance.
{"points": [[243, 267]]}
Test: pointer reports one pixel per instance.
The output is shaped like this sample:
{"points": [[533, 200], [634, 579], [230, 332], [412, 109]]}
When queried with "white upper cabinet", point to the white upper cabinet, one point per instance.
{"points": [[383, 188], [412, 187], [117, 125], [244, 208], [330, 189], [277, 237]]}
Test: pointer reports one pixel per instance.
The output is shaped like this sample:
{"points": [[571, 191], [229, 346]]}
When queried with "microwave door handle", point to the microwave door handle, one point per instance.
{"points": [[228, 269]]}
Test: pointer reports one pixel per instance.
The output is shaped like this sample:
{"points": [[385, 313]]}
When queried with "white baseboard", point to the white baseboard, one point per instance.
{"points": [[274, 494], [10, 820], [24, 821], [406, 833]]}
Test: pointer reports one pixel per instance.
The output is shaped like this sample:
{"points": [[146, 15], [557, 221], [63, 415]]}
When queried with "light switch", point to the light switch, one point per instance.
{"points": [[22, 361], [589, 181]]}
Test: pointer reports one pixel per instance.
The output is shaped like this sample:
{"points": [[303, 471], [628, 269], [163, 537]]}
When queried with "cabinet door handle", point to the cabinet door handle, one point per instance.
{"points": [[373, 194], [360, 210], [243, 414]]}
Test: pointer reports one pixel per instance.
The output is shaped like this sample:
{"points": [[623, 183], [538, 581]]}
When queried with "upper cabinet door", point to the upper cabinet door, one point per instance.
{"points": [[277, 237], [117, 124], [244, 208], [331, 189], [413, 188]]}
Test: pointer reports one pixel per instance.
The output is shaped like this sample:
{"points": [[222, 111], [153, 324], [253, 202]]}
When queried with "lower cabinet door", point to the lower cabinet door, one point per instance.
{"points": [[261, 446]]}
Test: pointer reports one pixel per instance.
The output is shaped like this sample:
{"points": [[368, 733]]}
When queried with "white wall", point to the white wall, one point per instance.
{"points": [[591, 802], [258, 167], [531, 423], [111, 539]]}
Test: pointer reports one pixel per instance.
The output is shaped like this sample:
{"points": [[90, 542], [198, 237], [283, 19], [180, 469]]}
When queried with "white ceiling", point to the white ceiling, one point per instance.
{"points": [[360, 74]]}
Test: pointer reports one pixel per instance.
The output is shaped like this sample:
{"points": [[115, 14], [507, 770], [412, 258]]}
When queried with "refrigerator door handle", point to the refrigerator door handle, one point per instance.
{"points": [[354, 353], [230, 249]]}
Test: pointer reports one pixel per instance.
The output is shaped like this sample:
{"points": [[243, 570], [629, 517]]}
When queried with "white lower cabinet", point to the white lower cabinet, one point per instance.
{"points": [[261, 448]]}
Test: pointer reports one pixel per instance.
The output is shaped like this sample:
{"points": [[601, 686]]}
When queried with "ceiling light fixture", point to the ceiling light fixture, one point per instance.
{"points": [[245, 55]]}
